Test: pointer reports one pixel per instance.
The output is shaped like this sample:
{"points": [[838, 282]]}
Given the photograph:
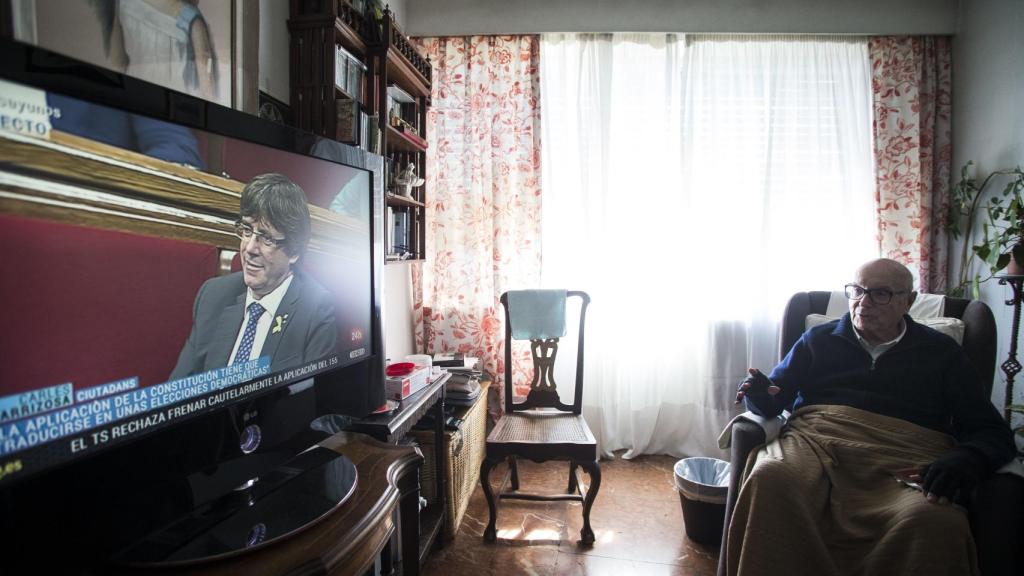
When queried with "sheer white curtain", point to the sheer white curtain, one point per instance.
{"points": [[691, 185]]}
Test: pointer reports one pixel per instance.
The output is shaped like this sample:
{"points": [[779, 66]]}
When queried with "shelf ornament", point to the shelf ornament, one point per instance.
{"points": [[406, 180]]}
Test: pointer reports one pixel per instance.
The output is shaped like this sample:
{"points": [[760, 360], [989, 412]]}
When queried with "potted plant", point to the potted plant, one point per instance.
{"points": [[1001, 244]]}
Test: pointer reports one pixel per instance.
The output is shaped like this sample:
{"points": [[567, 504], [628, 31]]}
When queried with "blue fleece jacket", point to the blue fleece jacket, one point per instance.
{"points": [[925, 378]]}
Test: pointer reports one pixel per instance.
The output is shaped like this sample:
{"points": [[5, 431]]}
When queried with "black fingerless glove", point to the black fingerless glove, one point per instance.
{"points": [[955, 474], [757, 385]]}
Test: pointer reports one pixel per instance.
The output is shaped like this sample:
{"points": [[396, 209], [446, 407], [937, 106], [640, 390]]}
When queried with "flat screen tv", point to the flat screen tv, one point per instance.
{"points": [[132, 390]]}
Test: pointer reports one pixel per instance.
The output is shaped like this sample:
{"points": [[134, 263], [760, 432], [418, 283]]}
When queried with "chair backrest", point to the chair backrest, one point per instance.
{"points": [[979, 342], [543, 390]]}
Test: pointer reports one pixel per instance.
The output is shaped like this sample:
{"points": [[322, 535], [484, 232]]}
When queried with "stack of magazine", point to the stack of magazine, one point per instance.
{"points": [[463, 387]]}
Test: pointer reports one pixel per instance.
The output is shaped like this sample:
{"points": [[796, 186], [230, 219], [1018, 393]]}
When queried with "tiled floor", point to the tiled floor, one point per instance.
{"points": [[637, 519]]}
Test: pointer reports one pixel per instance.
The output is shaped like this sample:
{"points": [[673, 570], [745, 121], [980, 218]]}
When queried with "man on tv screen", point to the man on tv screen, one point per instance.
{"points": [[269, 308]]}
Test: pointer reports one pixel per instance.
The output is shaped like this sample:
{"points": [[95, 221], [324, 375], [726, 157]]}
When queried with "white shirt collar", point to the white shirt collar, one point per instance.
{"points": [[271, 301], [876, 350]]}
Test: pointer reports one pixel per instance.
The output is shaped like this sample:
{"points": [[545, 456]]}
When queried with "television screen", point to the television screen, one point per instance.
{"points": [[193, 295]]}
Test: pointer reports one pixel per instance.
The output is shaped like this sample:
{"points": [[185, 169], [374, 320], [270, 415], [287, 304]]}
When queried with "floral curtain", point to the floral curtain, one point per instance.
{"points": [[483, 209], [912, 86]]}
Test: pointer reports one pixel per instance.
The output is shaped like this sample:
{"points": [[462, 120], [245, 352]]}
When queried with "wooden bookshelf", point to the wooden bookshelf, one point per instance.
{"points": [[325, 36]]}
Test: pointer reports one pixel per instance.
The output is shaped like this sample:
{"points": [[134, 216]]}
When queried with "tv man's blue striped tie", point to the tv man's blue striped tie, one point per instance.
{"points": [[245, 347]]}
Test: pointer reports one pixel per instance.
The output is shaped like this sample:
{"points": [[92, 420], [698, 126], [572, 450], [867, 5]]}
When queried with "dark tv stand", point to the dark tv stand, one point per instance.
{"points": [[348, 540], [274, 506], [420, 530]]}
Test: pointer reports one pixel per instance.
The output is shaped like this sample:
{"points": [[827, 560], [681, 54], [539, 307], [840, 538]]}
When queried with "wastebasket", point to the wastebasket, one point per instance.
{"points": [[703, 485]]}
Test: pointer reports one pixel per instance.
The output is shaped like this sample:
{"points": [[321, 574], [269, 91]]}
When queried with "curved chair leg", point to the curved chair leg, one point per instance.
{"points": [[594, 471], [572, 479], [490, 533], [513, 465]]}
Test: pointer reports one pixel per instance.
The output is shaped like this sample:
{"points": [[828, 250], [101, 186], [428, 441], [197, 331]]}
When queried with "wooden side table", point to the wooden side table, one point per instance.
{"points": [[420, 530]]}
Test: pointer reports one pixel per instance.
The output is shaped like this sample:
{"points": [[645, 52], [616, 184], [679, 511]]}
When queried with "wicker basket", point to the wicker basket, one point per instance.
{"points": [[465, 454]]}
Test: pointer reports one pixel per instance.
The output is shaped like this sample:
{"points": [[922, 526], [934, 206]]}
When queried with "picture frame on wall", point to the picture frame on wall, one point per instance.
{"points": [[208, 50], [274, 110]]}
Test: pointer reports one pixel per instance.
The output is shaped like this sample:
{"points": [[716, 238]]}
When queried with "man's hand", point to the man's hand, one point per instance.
{"points": [[953, 476], [757, 384]]}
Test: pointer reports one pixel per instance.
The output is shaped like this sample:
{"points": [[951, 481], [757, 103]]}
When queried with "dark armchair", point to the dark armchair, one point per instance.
{"points": [[998, 507]]}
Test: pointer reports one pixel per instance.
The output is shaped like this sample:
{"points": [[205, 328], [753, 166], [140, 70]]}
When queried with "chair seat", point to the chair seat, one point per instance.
{"points": [[542, 435]]}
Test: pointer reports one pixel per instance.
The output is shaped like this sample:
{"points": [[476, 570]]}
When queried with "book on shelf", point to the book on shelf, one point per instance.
{"points": [[347, 127], [364, 130], [389, 240], [401, 232], [341, 68], [373, 135], [348, 72]]}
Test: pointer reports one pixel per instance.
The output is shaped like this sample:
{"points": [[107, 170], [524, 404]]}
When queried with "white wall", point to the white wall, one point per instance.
{"points": [[988, 121], [398, 9], [465, 17], [398, 329], [273, 71]]}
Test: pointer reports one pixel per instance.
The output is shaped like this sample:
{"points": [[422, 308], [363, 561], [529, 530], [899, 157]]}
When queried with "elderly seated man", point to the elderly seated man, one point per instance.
{"points": [[874, 395]]}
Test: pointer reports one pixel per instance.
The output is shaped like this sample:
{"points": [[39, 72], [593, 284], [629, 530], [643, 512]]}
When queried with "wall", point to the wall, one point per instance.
{"points": [[464, 17], [398, 335], [274, 49], [988, 123], [399, 10]]}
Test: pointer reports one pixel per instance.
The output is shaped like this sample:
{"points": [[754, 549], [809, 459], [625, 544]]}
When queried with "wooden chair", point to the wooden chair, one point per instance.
{"points": [[542, 428]]}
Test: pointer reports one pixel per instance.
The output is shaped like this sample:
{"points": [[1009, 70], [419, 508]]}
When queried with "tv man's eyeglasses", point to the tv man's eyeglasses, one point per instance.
{"points": [[245, 231], [880, 296]]}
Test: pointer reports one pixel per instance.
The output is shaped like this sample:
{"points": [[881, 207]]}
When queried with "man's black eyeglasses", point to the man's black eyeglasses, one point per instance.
{"points": [[245, 231], [880, 296]]}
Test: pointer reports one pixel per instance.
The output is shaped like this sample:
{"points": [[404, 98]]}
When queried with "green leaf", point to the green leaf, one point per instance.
{"points": [[976, 287], [983, 250], [1001, 262]]}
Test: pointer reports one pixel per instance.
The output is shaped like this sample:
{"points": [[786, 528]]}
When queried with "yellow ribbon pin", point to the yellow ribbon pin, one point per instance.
{"points": [[279, 323]]}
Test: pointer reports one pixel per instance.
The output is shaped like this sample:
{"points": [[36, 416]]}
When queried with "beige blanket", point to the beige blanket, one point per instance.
{"points": [[821, 500]]}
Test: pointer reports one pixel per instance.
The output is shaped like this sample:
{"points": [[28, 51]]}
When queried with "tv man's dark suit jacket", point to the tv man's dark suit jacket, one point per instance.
{"points": [[309, 333]]}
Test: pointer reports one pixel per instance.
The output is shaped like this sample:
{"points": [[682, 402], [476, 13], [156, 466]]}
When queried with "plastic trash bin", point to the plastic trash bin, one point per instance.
{"points": [[703, 485]]}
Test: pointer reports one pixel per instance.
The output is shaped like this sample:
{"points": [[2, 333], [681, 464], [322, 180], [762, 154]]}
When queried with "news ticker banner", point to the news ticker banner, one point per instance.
{"points": [[57, 423]]}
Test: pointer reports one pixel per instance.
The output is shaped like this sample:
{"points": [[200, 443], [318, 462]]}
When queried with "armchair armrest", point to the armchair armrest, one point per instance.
{"points": [[996, 523], [769, 426], [744, 433]]}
